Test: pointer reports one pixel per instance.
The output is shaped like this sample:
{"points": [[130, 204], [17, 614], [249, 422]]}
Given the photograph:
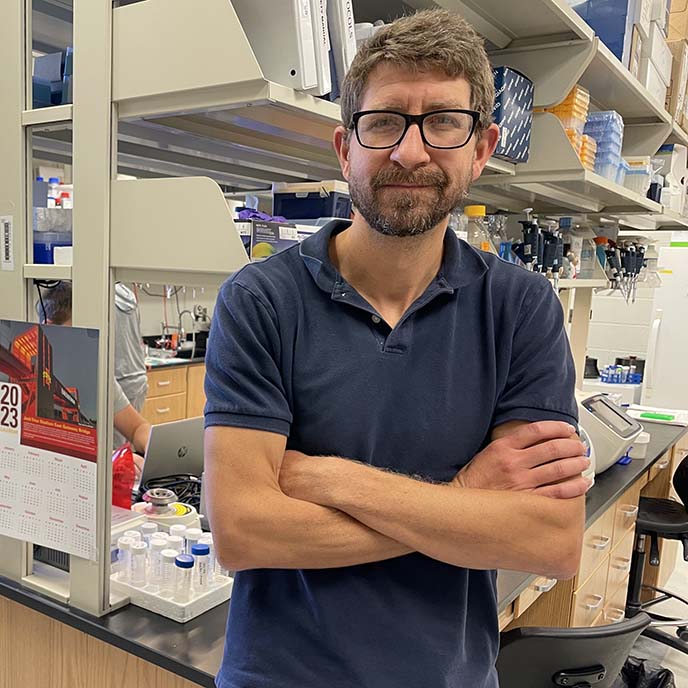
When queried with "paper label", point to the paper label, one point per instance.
{"points": [[6, 243]]}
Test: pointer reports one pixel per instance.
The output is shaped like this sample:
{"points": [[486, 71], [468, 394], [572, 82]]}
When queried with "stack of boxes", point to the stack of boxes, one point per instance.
{"points": [[622, 25], [677, 103], [588, 152], [635, 31], [607, 130], [573, 113]]}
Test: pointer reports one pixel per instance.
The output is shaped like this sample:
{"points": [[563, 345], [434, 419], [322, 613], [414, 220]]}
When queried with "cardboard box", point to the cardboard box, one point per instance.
{"points": [[678, 20], [513, 113], [676, 96], [652, 80], [657, 50], [268, 238]]}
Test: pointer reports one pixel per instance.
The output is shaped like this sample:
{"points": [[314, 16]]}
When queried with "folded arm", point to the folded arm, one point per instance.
{"points": [[257, 526], [275, 510]]}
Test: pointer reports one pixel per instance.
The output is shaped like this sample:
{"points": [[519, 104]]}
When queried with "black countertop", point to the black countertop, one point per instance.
{"points": [[174, 363], [194, 650], [608, 487]]}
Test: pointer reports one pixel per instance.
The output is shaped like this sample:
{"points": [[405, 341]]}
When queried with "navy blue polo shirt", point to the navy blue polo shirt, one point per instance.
{"points": [[296, 350]]}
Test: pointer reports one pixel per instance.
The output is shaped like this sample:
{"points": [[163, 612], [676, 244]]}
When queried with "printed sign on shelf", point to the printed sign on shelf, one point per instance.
{"points": [[48, 435]]}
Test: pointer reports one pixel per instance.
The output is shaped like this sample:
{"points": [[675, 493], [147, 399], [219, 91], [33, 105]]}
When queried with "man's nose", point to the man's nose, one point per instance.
{"points": [[411, 151]]}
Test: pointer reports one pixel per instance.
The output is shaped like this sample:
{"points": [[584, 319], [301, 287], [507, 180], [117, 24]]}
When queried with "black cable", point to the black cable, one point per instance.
{"points": [[46, 284], [158, 296], [187, 487]]}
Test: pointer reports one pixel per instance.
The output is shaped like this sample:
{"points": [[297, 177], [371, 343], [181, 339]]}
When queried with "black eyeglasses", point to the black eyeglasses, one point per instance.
{"points": [[438, 129]]}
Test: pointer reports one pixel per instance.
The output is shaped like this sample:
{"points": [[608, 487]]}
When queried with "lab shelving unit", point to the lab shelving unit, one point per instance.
{"points": [[186, 106]]}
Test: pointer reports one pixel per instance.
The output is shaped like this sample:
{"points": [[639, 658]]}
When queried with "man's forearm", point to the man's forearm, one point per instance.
{"points": [[302, 535], [464, 527]]}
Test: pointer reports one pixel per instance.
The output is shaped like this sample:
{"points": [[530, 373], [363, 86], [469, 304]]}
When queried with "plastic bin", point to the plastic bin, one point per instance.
{"points": [[622, 171], [638, 181], [311, 200], [44, 243]]}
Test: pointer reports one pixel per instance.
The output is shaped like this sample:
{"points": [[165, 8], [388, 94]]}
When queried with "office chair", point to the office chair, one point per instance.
{"points": [[660, 518], [567, 657]]}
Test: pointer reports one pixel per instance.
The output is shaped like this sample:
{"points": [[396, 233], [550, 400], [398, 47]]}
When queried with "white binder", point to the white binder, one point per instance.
{"points": [[340, 15], [281, 35], [321, 42]]}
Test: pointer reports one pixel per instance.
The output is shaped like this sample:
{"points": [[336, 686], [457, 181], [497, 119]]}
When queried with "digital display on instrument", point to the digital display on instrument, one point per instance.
{"points": [[610, 416]]}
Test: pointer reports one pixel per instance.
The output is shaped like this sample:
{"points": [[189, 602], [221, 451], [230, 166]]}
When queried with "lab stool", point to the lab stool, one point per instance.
{"points": [[567, 657], [660, 518]]}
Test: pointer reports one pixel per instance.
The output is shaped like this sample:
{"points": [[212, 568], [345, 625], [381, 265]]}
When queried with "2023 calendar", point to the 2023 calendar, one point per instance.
{"points": [[48, 435]]}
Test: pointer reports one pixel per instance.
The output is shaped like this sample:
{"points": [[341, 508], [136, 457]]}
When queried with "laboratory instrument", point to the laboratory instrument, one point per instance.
{"points": [[160, 506], [610, 430]]}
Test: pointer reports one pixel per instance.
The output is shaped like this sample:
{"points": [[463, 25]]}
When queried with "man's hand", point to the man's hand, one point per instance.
{"points": [[546, 458]]}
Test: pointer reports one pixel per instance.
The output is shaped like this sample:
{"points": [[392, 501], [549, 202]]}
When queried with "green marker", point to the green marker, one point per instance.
{"points": [[657, 416]]}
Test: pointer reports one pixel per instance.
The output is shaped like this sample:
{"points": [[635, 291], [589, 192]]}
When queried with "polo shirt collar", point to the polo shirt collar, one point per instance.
{"points": [[461, 264]]}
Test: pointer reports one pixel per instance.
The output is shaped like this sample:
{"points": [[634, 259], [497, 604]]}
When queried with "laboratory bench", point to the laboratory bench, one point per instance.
{"points": [[134, 647]]}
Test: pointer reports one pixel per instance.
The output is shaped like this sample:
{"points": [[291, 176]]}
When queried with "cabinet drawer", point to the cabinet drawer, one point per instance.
{"points": [[620, 561], [589, 601], [532, 592], [597, 544], [164, 409], [626, 513], [616, 597], [165, 382], [662, 465]]}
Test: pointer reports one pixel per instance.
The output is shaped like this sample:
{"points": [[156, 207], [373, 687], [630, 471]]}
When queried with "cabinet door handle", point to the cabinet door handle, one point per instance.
{"points": [[546, 586], [629, 510], [623, 564], [163, 410], [164, 383], [614, 615], [661, 465], [603, 543], [598, 599]]}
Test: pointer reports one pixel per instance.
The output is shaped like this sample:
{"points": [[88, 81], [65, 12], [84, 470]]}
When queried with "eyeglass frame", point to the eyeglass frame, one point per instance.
{"points": [[414, 119]]}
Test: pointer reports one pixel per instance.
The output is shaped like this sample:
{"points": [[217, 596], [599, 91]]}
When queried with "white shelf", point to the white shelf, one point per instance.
{"points": [[613, 87], [553, 181], [173, 231], [583, 283], [669, 219], [47, 272], [499, 21], [678, 135], [47, 115]]}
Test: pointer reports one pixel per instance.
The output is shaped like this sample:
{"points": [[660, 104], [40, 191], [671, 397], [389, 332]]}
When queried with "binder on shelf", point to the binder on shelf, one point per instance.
{"points": [[281, 36], [321, 42], [340, 15]]}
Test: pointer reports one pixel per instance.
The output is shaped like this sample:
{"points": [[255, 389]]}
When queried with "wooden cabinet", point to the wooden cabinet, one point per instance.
{"points": [[195, 394], [597, 544], [174, 393]]}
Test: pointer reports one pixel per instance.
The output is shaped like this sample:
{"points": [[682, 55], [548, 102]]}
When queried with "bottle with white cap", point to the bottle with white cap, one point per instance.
{"points": [[124, 558], [192, 536], [157, 545], [176, 542], [147, 530], [167, 557], [135, 535], [178, 529], [138, 564]]}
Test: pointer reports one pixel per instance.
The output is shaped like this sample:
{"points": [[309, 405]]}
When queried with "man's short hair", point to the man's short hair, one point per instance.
{"points": [[57, 302], [431, 40]]}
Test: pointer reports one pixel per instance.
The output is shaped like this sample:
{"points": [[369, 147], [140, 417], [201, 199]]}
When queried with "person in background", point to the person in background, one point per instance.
{"points": [[130, 363], [55, 308]]}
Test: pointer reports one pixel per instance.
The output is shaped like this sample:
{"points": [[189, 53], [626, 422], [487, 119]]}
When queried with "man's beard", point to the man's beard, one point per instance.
{"points": [[394, 212]]}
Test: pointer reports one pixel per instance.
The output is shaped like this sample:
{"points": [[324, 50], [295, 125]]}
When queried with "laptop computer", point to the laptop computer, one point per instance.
{"points": [[174, 448]]}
